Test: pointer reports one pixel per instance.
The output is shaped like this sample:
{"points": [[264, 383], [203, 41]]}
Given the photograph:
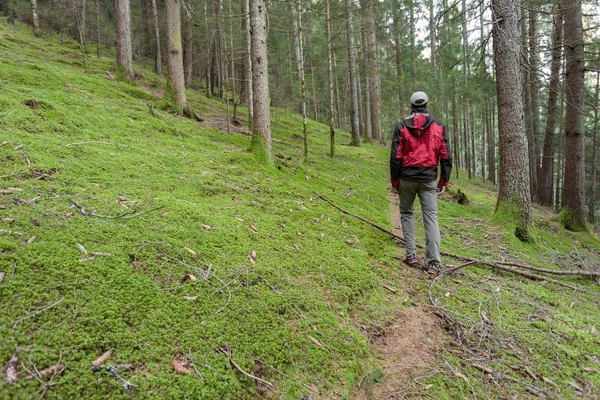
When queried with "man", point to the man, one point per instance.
{"points": [[419, 145]]}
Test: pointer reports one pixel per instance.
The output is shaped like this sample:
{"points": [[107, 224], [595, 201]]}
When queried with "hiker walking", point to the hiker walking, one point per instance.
{"points": [[419, 144]]}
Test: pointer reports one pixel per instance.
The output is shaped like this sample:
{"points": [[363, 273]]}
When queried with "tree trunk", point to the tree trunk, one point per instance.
{"points": [[592, 207], [98, 50], [399, 59], [366, 92], [176, 80], [248, 64], [411, 7], [432, 46], [34, 18], [573, 201], [534, 91], [352, 75], [374, 88], [157, 50], [465, 45], [330, 80], [261, 134], [297, 24], [560, 159], [188, 49], [124, 52], [514, 192], [547, 170]]}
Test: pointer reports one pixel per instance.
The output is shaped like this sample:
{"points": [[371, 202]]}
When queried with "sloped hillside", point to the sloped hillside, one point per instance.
{"points": [[162, 244]]}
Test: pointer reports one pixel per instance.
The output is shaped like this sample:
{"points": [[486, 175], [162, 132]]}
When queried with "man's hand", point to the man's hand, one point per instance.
{"points": [[441, 189], [395, 186]]}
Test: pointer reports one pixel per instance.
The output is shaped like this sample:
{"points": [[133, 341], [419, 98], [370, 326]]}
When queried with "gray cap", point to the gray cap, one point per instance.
{"points": [[419, 99]]}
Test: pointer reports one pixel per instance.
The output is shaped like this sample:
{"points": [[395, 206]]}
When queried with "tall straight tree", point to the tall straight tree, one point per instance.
{"points": [[248, 63], [545, 185], [175, 90], [34, 18], [124, 51], [534, 93], [330, 79], [188, 49], [573, 199], [297, 23], [372, 58], [352, 75], [261, 133], [157, 49], [592, 207], [514, 191]]}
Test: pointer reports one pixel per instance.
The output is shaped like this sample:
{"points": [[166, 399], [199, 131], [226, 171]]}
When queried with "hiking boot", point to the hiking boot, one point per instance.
{"points": [[412, 260], [433, 270]]}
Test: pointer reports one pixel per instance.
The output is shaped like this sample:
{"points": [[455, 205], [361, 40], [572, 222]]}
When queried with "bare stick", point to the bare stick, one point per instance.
{"points": [[128, 214], [373, 224], [37, 312], [58, 368], [227, 352], [471, 261]]}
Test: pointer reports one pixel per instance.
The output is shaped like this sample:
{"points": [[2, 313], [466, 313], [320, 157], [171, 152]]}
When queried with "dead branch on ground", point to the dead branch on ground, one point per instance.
{"points": [[505, 266]]}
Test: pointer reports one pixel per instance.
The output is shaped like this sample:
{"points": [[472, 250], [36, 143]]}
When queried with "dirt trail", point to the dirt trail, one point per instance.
{"points": [[408, 345]]}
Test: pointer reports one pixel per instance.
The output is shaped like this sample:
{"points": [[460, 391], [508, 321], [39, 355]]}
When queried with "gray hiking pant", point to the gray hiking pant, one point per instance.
{"points": [[429, 205]]}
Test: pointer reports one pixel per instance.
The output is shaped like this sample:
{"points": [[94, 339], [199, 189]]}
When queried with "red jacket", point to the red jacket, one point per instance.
{"points": [[419, 144]]}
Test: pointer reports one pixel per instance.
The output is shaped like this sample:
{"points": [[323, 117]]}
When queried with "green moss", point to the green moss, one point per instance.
{"points": [[509, 213], [571, 221], [318, 272]]}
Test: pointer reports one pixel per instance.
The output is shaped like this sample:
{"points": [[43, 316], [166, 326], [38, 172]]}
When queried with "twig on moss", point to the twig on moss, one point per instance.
{"points": [[129, 214], [37, 312], [227, 352]]}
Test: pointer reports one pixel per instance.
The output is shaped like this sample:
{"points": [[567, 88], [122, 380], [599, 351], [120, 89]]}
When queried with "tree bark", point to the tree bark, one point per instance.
{"points": [[432, 46], [297, 24], [34, 18], [174, 56], [188, 48], [124, 51], [534, 91], [157, 49], [366, 92], [514, 191], [330, 80], [592, 207], [97, 6], [352, 75], [573, 201], [261, 134], [248, 64], [545, 182], [373, 70]]}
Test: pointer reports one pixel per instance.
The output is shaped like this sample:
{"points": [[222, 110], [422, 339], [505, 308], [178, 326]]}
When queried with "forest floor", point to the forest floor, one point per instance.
{"points": [[146, 255]]}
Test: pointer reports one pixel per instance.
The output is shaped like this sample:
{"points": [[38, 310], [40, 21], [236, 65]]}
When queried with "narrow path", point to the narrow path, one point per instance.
{"points": [[406, 347]]}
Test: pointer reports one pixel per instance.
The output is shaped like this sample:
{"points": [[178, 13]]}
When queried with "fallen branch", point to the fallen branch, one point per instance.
{"points": [[373, 224], [502, 267], [55, 369], [227, 352], [128, 214], [505, 266]]}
